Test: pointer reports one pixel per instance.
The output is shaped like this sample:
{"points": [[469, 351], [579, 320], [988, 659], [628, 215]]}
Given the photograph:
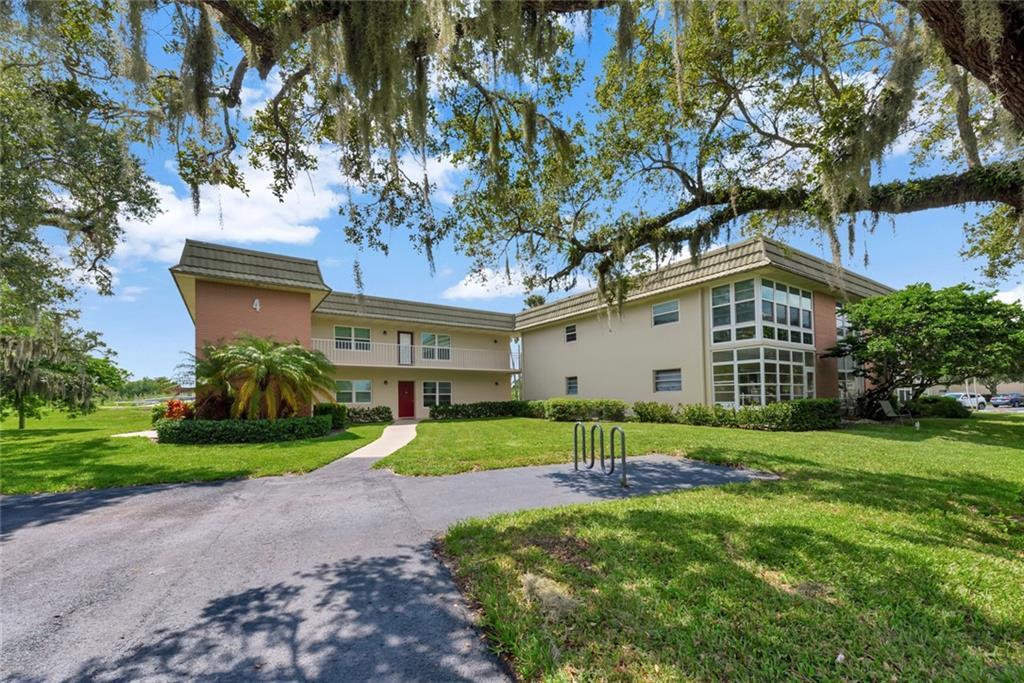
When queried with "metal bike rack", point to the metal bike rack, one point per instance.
{"points": [[579, 448]]}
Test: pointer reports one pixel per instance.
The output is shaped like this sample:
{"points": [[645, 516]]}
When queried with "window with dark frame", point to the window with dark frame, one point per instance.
{"points": [[665, 313], [570, 333], [668, 380], [572, 386]]}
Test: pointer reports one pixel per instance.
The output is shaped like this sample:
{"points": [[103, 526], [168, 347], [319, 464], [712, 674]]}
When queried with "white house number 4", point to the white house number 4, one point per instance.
{"points": [[256, 305]]}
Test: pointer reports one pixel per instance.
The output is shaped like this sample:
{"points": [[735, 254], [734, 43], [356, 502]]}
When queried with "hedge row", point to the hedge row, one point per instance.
{"points": [[937, 406], [800, 415], [556, 409], [357, 415], [468, 411], [242, 431], [337, 411]]}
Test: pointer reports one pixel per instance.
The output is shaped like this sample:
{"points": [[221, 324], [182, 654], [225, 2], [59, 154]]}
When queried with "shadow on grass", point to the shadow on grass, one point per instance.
{"points": [[662, 592], [1003, 431], [388, 618]]}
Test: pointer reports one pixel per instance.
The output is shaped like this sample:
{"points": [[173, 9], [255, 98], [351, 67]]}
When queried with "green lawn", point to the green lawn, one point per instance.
{"points": [[59, 453], [884, 554], [454, 446]]}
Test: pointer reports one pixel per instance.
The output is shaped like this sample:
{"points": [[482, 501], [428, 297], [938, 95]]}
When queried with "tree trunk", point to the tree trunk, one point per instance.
{"points": [[1004, 74], [21, 413]]}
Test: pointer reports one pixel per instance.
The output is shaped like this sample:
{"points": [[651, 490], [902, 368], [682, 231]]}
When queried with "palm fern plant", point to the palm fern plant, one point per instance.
{"points": [[263, 378]]}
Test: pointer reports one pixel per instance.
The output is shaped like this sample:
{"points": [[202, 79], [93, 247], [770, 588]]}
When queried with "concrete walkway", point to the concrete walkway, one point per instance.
{"points": [[324, 577]]}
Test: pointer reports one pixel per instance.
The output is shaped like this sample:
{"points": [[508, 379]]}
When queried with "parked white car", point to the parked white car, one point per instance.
{"points": [[968, 400]]}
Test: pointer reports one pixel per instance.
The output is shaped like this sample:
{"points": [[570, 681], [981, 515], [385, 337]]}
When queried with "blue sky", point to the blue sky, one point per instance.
{"points": [[146, 323]]}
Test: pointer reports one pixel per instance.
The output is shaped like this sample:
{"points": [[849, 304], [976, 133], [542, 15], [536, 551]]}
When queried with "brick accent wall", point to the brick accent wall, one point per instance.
{"points": [[225, 311], [826, 370]]}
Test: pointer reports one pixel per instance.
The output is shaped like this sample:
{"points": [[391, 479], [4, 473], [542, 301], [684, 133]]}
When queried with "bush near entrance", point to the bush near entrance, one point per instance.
{"points": [[555, 409], [242, 431], [800, 415], [357, 415], [337, 411]]}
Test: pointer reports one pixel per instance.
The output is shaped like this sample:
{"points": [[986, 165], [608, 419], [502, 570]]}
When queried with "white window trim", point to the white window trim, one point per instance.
{"points": [[437, 394], [654, 379], [433, 348], [575, 333], [758, 339], [352, 339], [679, 315], [354, 392], [807, 392], [575, 377]]}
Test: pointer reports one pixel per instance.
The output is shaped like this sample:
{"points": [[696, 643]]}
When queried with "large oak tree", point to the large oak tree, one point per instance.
{"points": [[706, 116]]}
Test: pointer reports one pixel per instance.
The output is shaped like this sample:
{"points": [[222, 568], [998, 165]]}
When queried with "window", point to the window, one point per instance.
{"points": [[357, 338], [784, 307], [665, 313], [353, 391], [437, 394], [570, 333], [572, 386], [435, 346], [752, 376], [668, 380]]}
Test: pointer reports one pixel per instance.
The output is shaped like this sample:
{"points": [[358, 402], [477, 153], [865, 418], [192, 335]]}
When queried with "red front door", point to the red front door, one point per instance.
{"points": [[406, 399]]}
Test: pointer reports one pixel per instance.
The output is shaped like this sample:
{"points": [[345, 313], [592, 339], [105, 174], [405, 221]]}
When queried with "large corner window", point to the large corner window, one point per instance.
{"points": [[437, 394], [349, 338], [786, 313], [665, 313], [436, 346], [353, 391], [759, 375], [733, 312], [782, 312]]}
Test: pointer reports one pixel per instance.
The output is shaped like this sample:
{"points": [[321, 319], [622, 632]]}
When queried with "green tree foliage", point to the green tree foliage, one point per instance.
{"points": [[147, 387], [919, 337], [264, 379], [66, 126], [707, 116], [51, 363]]}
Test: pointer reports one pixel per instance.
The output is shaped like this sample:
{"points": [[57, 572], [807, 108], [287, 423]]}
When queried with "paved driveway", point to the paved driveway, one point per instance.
{"points": [[326, 576]]}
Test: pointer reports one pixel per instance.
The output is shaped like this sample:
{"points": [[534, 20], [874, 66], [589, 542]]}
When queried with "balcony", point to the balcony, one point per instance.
{"points": [[392, 355]]}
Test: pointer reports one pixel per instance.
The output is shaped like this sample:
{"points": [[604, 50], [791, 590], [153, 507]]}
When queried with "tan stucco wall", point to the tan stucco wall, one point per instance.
{"points": [[225, 311], [616, 357], [467, 386], [826, 370], [386, 331]]}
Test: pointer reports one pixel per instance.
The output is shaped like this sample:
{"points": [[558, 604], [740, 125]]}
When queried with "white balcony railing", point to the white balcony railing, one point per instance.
{"points": [[377, 354]]}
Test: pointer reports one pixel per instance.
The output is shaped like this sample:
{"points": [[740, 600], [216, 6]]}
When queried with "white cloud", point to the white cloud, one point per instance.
{"points": [[1012, 295], [228, 215], [492, 284], [486, 284], [131, 293]]}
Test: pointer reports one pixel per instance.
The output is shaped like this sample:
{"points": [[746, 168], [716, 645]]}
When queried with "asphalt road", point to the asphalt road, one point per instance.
{"points": [[327, 576]]}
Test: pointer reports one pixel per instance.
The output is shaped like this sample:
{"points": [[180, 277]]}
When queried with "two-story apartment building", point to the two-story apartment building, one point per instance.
{"points": [[745, 324], [402, 354]]}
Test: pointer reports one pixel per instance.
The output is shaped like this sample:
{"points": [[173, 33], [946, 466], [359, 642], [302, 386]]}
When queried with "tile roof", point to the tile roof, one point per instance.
{"points": [[221, 262], [751, 254], [363, 306]]}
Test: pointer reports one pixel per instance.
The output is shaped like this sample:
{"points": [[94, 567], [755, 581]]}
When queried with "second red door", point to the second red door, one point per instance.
{"points": [[406, 399]]}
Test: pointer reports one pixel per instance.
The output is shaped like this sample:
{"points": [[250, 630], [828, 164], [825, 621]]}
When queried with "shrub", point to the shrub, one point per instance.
{"points": [[178, 410], [357, 415], [938, 406], [575, 409], [463, 411], [792, 416], [536, 409], [652, 411], [158, 412], [707, 416], [242, 431], [337, 411]]}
